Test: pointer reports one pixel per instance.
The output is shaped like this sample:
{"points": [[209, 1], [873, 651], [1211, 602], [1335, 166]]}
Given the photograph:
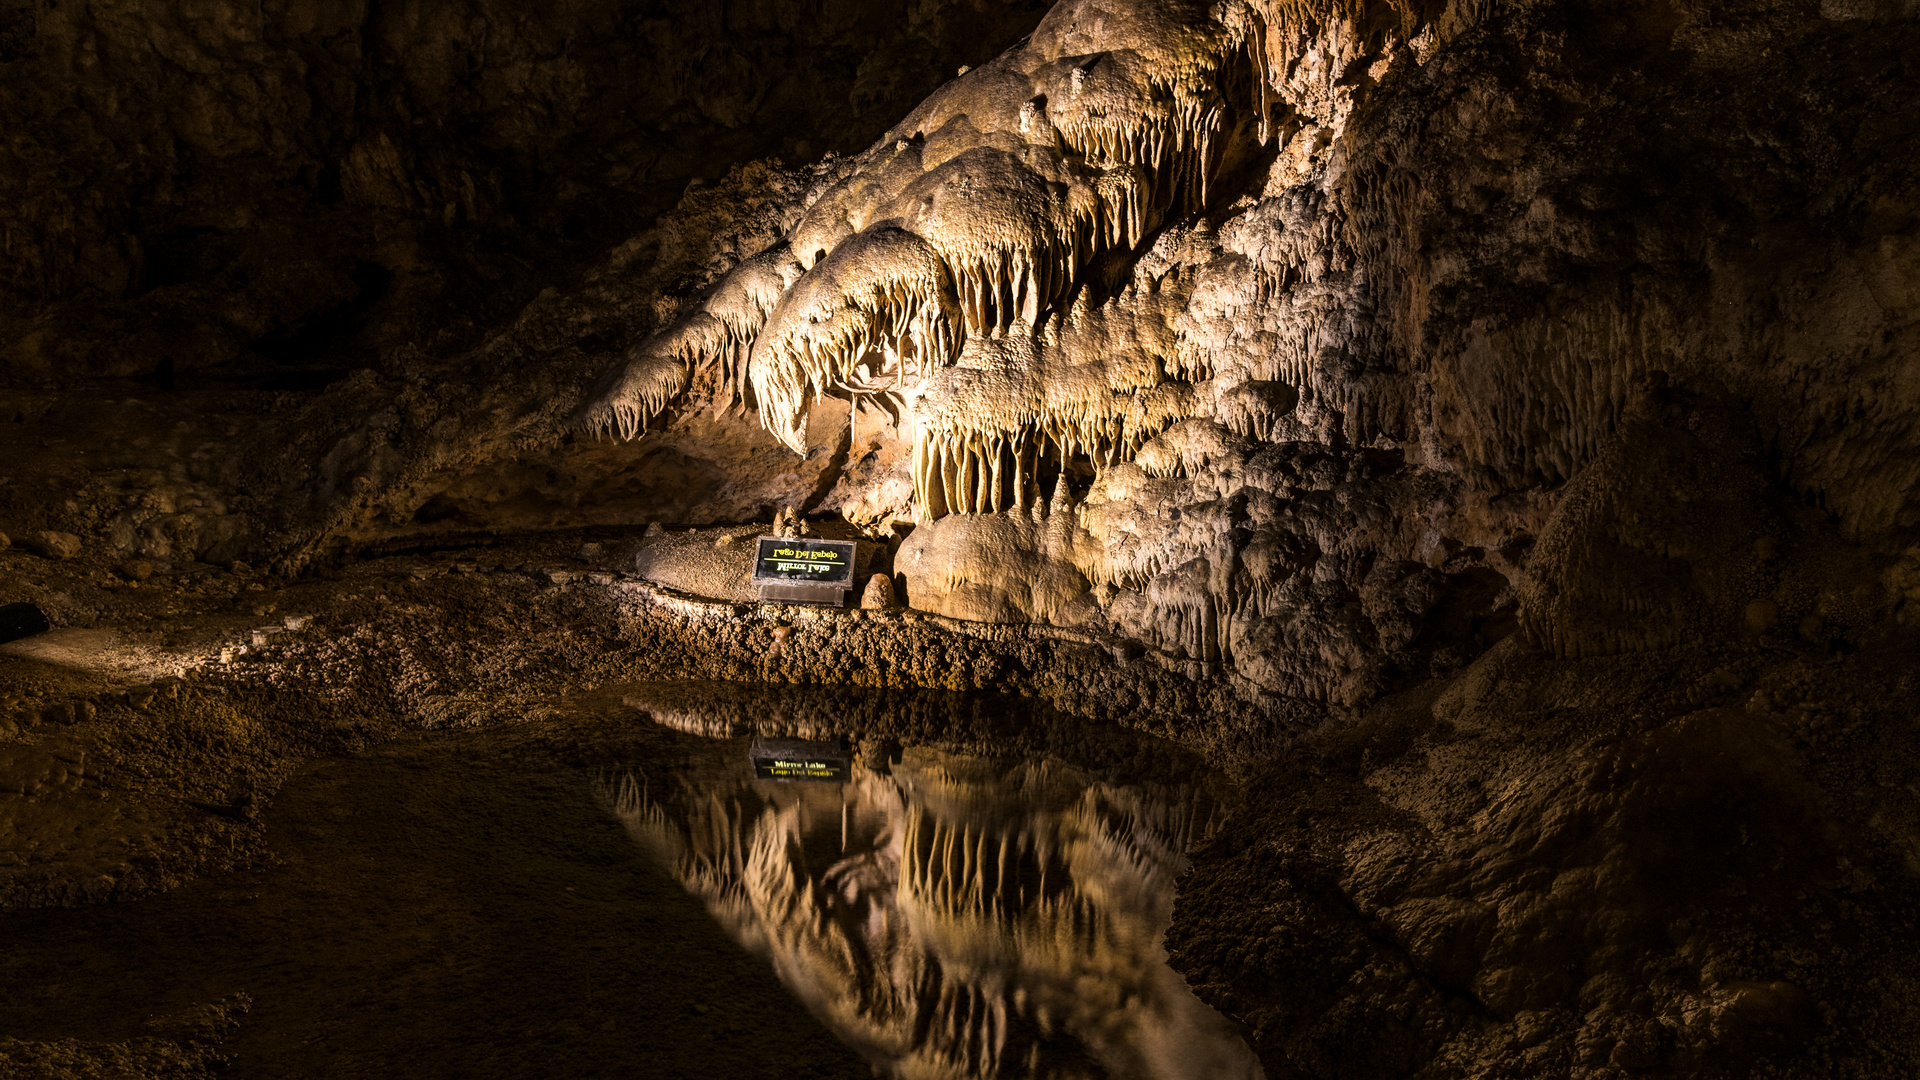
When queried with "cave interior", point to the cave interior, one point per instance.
{"points": [[1388, 538]]}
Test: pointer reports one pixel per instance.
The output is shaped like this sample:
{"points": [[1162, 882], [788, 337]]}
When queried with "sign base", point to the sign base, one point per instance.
{"points": [[786, 592]]}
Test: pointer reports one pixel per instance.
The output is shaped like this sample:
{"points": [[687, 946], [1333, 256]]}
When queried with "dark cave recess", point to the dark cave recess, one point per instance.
{"points": [[221, 188]]}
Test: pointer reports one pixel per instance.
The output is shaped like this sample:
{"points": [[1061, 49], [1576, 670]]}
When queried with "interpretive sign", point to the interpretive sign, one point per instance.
{"points": [[817, 562], [804, 570], [800, 759]]}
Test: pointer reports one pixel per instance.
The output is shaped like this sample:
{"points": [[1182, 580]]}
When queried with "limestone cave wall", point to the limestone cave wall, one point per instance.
{"points": [[1277, 339]]}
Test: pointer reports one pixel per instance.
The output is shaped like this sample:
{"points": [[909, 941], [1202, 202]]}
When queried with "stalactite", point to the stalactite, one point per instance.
{"points": [[1165, 125], [1071, 159], [742, 303], [657, 371], [884, 291]]}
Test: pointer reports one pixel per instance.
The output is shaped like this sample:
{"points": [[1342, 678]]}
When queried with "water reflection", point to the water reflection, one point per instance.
{"points": [[951, 915]]}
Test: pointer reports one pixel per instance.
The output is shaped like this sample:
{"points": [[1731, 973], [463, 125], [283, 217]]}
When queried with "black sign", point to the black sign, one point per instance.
{"points": [[800, 759], [824, 562], [800, 768]]}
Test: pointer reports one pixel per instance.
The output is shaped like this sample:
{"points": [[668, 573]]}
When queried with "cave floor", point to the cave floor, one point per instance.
{"points": [[175, 829]]}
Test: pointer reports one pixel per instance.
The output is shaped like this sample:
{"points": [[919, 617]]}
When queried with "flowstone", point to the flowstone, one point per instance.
{"points": [[1138, 314]]}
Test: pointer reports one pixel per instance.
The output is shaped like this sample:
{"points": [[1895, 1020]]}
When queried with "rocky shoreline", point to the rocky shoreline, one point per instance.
{"points": [[1530, 864]]}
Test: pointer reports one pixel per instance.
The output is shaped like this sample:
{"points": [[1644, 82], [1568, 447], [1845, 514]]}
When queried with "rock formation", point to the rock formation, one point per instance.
{"points": [[1491, 433], [1146, 301]]}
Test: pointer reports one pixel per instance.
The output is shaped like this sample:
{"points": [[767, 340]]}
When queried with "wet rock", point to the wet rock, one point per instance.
{"points": [[51, 544], [22, 620]]}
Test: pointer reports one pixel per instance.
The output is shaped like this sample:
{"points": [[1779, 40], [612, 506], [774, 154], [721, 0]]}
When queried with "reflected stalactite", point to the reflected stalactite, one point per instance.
{"points": [[954, 917]]}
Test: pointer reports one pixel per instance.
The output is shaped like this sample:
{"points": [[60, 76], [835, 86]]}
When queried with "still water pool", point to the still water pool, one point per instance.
{"points": [[595, 894]]}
